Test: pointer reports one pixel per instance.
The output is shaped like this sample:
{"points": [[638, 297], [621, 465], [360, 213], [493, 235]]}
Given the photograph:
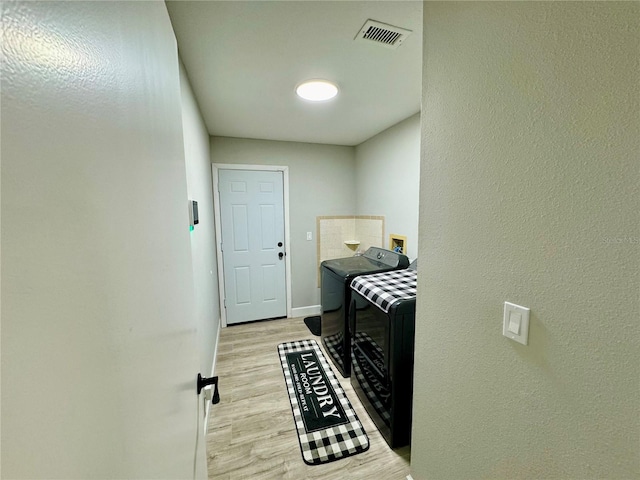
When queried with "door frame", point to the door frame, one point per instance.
{"points": [[215, 167]]}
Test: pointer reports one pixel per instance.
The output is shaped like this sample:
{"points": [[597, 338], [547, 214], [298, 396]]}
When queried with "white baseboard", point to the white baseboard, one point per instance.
{"points": [[409, 477], [305, 311]]}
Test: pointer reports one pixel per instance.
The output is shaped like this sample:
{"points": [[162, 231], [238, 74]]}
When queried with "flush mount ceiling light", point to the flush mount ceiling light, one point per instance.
{"points": [[317, 90]]}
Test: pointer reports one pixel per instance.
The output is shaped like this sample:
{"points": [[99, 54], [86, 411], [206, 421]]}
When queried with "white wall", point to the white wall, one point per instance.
{"points": [[99, 354], [203, 252], [529, 194], [321, 182], [388, 180]]}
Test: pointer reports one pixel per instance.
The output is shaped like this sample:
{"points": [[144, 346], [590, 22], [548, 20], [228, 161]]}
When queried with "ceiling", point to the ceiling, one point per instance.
{"points": [[245, 58]]}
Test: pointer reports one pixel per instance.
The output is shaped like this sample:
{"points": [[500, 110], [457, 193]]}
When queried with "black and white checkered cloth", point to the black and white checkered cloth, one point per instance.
{"points": [[335, 346], [385, 289], [331, 443], [376, 389]]}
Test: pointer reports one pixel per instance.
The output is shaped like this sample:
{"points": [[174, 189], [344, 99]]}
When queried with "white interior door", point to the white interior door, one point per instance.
{"points": [[253, 244]]}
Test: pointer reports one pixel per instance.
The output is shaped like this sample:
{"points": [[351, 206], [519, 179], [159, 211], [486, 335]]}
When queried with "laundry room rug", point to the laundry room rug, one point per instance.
{"points": [[313, 324], [327, 426]]}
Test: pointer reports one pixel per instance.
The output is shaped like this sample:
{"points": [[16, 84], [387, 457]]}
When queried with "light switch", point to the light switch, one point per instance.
{"points": [[309, 236], [515, 319], [515, 323]]}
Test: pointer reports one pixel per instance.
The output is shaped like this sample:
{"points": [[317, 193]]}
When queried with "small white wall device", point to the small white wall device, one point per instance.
{"points": [[193, 214]]}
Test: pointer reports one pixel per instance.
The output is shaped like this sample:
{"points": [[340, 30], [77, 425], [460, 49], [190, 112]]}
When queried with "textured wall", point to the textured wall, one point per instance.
{"points": [[203, 238], [321, 182], [98, 333], [388, 180], [529, 194]]}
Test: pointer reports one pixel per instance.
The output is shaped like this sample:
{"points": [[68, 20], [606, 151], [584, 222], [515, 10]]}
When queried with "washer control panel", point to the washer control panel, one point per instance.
{"points": [[393, 259]]}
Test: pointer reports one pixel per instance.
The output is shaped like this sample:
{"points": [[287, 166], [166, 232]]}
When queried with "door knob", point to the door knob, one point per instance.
{"points": [[280, 255], [279, 244]]}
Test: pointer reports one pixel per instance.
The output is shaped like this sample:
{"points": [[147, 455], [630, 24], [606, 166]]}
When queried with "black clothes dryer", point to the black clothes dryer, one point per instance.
{"points": [[336, 276], [383, 328]]}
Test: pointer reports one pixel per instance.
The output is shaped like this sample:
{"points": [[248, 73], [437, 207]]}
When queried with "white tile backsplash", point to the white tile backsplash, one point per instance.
{"points": [[332, 232]]}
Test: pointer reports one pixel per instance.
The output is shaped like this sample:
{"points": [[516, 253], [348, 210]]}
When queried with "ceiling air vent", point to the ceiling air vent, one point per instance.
{"points": [[382, 34]]}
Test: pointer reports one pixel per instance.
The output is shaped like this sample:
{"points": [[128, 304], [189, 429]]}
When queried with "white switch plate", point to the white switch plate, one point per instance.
{"points": [[308, 235], [515, 323]]}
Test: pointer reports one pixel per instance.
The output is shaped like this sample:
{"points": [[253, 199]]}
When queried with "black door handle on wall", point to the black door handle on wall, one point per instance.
{"points": [[204, 381], [280, 255]]}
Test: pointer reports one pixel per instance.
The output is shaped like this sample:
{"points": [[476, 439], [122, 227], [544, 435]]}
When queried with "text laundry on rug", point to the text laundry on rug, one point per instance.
{"points": [[327, 426]]}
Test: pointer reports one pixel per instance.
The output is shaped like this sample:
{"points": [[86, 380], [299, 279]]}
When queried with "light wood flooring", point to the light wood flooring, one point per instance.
{"points": [[251, 434]]}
